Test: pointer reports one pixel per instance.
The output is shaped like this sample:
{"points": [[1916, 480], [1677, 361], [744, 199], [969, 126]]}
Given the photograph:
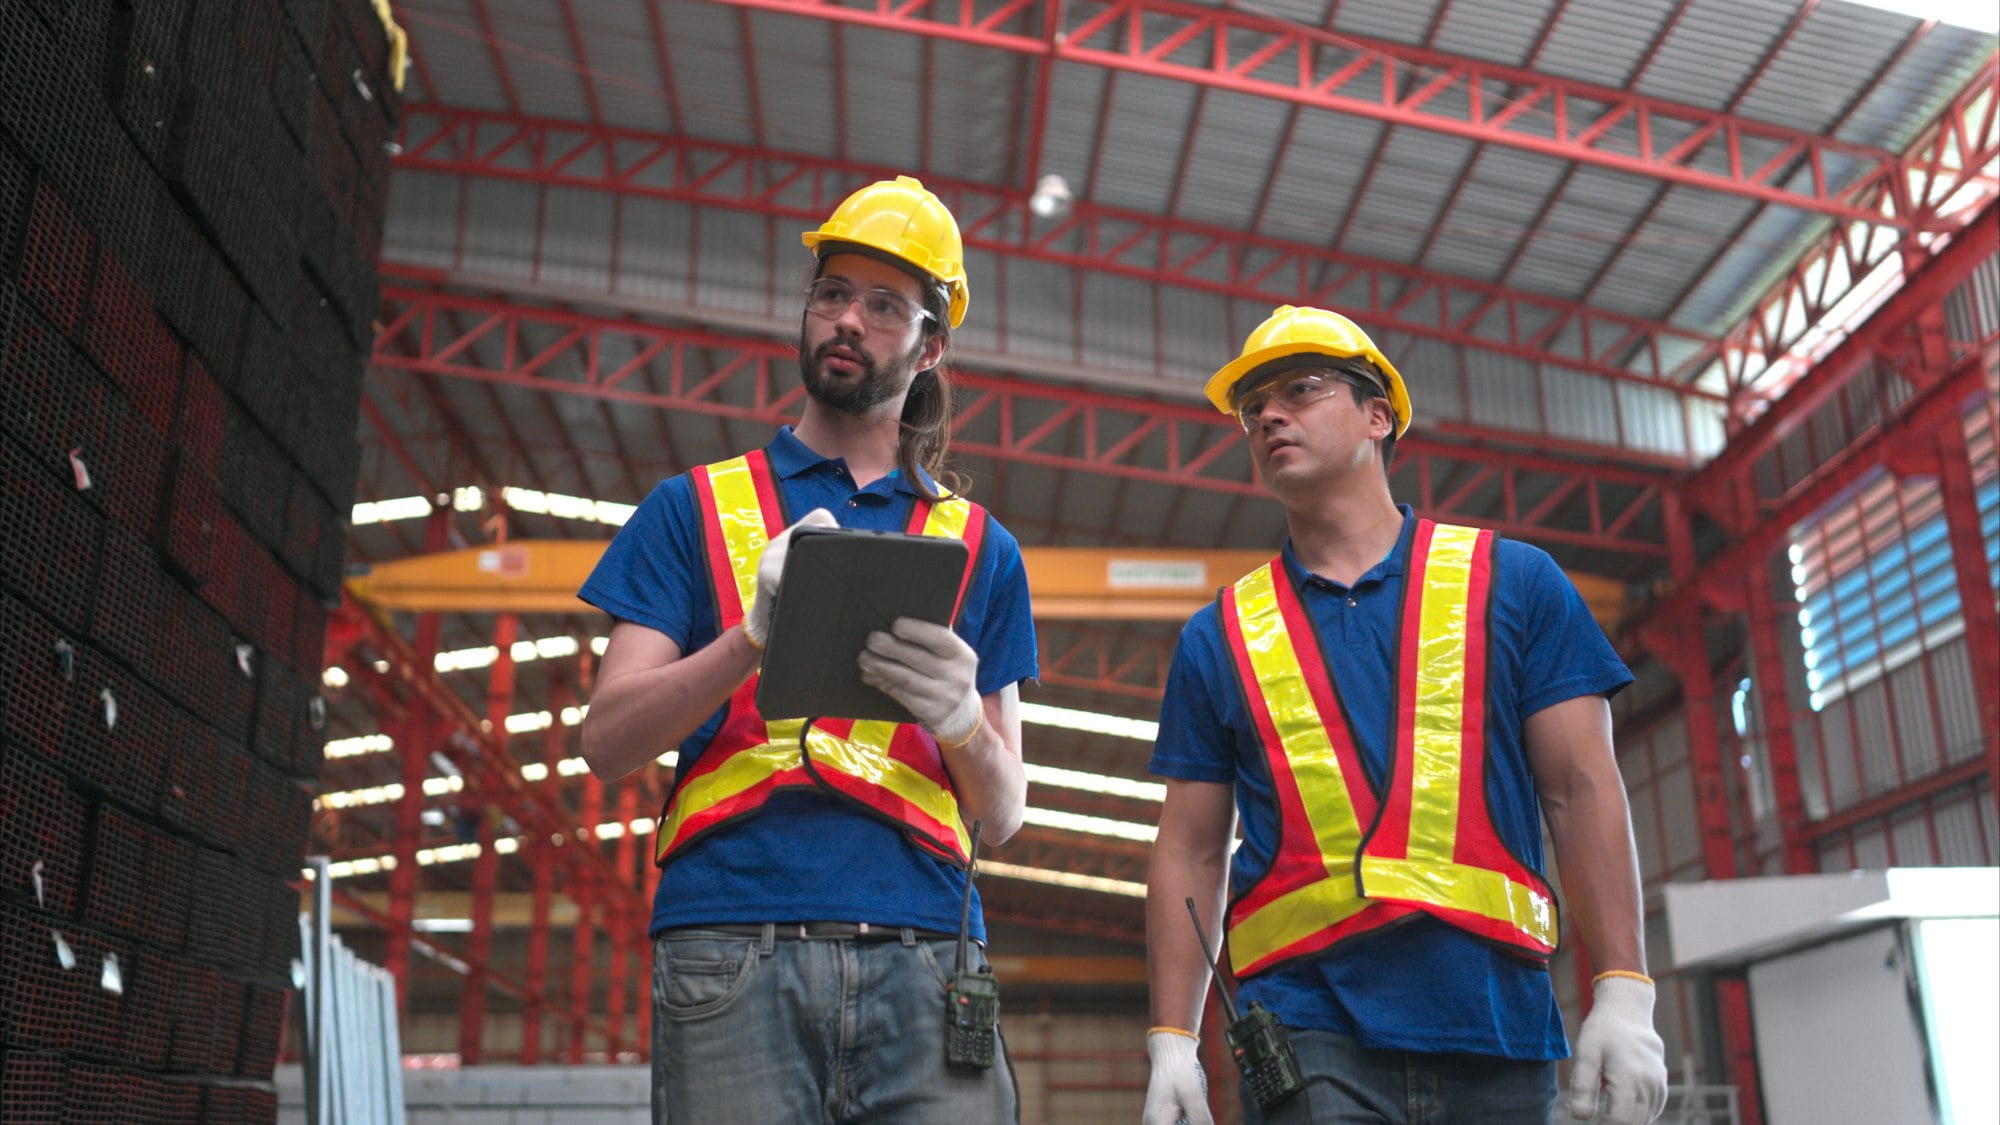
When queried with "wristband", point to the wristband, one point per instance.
{"points": [[963, 742], [1174, 1031], [1626, 973]]}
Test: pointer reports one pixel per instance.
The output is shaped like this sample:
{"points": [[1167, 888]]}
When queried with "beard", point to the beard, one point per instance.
{"points": [[876, 383]]}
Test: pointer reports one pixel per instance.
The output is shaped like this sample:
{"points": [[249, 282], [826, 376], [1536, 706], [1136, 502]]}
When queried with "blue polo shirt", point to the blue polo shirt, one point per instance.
{"points": [[1422, 985], [805, 856]]}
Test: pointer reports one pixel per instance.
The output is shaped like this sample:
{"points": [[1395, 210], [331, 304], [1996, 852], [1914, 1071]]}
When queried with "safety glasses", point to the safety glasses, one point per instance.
{"points": [[885, 309], [1293, 390]]}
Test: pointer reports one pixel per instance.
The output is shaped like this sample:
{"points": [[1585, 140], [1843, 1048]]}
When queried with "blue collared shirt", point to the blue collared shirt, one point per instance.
{"points": [[805, 856], [1422, 985]]}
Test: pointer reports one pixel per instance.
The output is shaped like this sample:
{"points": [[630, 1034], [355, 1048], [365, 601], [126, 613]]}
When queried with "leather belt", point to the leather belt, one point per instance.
{"points": [[814, 931]]}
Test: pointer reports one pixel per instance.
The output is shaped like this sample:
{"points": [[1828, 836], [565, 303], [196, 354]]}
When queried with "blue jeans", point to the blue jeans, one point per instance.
{"points": [[780, 1030], [1347, 1084]]}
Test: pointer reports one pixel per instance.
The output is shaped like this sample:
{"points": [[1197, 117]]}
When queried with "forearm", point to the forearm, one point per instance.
{"points": [[641, 714], [987, 773], [1177, 966], [1590, 826]]}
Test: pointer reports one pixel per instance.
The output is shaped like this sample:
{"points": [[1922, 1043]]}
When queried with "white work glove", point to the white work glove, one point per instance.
{"points": [[929, 670], [757, 622], [1178, 1090], [1618, 1046]]}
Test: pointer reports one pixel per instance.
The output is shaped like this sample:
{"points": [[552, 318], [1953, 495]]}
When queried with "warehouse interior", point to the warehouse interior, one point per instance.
{"points": [[338, 337]]}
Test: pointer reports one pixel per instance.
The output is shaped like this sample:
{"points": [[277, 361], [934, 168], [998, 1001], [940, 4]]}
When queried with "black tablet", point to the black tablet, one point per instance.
{"points": [[838, 586]]}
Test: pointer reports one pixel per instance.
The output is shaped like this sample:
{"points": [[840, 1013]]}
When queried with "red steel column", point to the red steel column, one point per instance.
{"points": [[1975, 588], [618, 924], [486, 866], [583, 943], [413, 748], [1774, 699], [1688, 654], [542, 862]]}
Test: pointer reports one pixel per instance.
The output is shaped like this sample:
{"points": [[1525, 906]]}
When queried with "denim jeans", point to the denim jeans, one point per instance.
{"points": [[776, 1031], [1347, 1084]]}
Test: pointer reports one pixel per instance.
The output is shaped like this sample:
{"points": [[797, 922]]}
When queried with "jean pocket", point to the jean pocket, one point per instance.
{"points": [[705, 979]]}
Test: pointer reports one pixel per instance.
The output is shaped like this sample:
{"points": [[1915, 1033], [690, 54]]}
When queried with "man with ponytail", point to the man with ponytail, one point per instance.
{"points": [[811, 878]]}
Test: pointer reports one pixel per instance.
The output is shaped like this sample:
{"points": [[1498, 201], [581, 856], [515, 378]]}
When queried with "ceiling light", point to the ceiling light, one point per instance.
{"points": [[1051, 198]]}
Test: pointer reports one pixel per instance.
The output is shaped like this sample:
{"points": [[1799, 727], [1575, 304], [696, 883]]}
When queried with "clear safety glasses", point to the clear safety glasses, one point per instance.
{"points": [[1293, 390], [884, 309]]}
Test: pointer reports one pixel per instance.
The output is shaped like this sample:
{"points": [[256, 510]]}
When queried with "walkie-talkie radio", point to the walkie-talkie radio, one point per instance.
{"points": [[1256, 1039], [972, 1000]]}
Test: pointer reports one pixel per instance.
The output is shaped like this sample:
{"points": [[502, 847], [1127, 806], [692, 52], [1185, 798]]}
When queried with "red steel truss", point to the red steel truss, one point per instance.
{"points": [[1584, 503], [1264, 56], [491, 765], [1133, 244]]}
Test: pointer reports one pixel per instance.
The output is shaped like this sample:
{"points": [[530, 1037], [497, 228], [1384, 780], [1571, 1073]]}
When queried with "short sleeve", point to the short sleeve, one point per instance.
{"points": [[1001, 628], [1563, 653], [1195, 742], [651, 574]]}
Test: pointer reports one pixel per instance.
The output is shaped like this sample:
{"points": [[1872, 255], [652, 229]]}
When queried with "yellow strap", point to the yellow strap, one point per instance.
{"points": [[1439, 711]]}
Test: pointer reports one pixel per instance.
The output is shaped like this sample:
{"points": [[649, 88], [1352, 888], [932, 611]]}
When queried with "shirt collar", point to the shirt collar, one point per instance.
{"points": [[790, 457], [1390, 567]]}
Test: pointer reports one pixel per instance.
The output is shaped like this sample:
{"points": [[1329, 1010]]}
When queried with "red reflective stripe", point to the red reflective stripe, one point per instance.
{"points": [[975, 534], [767, 492], [920, 514]]}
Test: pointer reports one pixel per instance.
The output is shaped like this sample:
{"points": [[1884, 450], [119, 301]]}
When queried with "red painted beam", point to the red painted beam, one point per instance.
{"points": [[1006, 418], [1398, 84], [1924, 289], [1159, 249]]}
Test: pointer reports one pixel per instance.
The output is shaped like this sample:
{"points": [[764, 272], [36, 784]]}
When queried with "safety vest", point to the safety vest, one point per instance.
{"points": [[892, 771], [1350, 859]]}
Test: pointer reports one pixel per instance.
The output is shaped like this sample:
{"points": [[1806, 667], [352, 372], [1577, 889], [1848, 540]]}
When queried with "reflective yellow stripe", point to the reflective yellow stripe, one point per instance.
{"points": [[742, 519], [865, 754], [1315, 769], [740, 771], [1479, 890], [948, 517], [1308, 750], [1293, 917], [1439, 696]]}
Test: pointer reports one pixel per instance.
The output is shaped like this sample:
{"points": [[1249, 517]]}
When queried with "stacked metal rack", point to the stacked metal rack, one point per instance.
{"points": [[190, 210]]}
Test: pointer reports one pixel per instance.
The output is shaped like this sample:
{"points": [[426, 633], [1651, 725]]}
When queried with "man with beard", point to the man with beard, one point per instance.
{"points": [[806, 909]]}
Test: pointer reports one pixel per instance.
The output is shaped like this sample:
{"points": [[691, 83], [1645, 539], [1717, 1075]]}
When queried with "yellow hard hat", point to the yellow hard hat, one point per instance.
{"points": [[902, 219], [1303, 330]]}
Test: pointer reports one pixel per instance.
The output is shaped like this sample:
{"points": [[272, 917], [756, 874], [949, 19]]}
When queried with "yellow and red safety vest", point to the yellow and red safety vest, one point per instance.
{"points": [[1349, 859], [892, 771]]}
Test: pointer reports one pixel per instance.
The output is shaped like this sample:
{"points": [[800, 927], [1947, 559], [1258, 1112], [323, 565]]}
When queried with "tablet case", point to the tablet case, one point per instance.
{"points": [[839, 585]]}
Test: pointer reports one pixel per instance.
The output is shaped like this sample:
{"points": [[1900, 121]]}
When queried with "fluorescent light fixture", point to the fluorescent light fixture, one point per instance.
{"points": [[1090, 825], [387, 511], [360, 744], [1096, 783], [335, 677], [1069, 719], [1063, 879], [441, 925]]}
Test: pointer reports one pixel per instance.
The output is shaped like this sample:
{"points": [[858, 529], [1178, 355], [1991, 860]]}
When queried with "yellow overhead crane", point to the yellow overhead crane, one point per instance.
{"points": [[1066, 583]]}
